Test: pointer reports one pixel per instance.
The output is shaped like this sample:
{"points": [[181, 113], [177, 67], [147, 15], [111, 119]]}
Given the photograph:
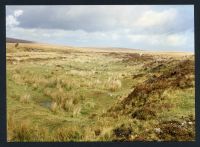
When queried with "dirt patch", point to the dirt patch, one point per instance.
{"points": [[122, 133], [138, 76], [177, 131], [177, 77], [144, 114], [146, 97]]}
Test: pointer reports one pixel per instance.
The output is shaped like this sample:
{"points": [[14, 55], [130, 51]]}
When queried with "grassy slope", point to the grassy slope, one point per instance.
{"points": [[64, 93]]}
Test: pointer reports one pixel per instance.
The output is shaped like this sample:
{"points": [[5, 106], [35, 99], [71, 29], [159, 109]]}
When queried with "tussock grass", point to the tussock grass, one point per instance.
{"points": [[67, 94], [17, 78], [25, 98], [25, 132], [68, 105], [76, 110], [115, 84], [54, 107], [68, 134]]}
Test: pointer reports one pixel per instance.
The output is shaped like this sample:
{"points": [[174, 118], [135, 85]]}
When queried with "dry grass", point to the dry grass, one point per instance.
{"points": [[76, 110], [76, 94], [24, 131], [68, 105], [113, 84], [25, 98], [54, 107]]}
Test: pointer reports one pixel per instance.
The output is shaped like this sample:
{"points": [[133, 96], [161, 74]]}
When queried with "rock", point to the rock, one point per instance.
{"points": [[158, 130], [183, 123], [190, 123]]}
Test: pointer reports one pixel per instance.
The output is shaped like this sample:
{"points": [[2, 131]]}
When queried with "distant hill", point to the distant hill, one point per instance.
{"points": [[14, 40]]}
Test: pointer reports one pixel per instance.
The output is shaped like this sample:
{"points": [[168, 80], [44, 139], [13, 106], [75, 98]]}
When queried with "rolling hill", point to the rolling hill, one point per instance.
{"points": [[14, 40]]}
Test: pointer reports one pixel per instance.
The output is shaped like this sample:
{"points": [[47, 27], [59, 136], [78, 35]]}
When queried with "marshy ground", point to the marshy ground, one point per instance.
{"points": [[59, 93]]}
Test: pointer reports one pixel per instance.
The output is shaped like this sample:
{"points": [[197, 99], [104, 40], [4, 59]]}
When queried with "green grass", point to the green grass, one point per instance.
{"points": [[65, 100], [182, 104]]}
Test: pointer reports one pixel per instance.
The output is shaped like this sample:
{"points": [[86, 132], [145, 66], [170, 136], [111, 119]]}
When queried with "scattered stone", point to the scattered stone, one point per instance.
{"points": [[174, 131], [190, 123], [158, 130], [183, 123]]}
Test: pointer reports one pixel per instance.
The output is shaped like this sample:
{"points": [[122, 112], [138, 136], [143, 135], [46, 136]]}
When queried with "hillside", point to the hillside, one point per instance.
{"points": [[14, 40], [158, 97]]}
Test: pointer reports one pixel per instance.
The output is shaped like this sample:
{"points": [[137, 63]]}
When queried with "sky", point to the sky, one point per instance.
{"points": [[147, 27]]}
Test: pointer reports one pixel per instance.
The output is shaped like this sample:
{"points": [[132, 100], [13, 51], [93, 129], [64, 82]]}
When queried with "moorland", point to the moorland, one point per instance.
{"points": [[64, 93]]}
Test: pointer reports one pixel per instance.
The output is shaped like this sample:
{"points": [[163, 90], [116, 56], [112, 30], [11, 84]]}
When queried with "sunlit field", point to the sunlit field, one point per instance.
{"points": [[57, 93]]}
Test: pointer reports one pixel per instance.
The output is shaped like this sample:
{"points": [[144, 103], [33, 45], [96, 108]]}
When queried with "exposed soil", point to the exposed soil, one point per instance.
{"points": [[122, 133], [138, 102], [177, 131]]}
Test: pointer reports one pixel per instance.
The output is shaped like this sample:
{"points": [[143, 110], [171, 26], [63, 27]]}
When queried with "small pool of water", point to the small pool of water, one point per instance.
{"points": [[46, 103]]}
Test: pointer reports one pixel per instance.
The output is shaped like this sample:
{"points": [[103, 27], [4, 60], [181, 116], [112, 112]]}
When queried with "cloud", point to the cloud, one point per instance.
{"points": [[87, 18], [11, 20], [175, 39], [146, 27], [153, 18], [106, 18], [18, 13]]}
